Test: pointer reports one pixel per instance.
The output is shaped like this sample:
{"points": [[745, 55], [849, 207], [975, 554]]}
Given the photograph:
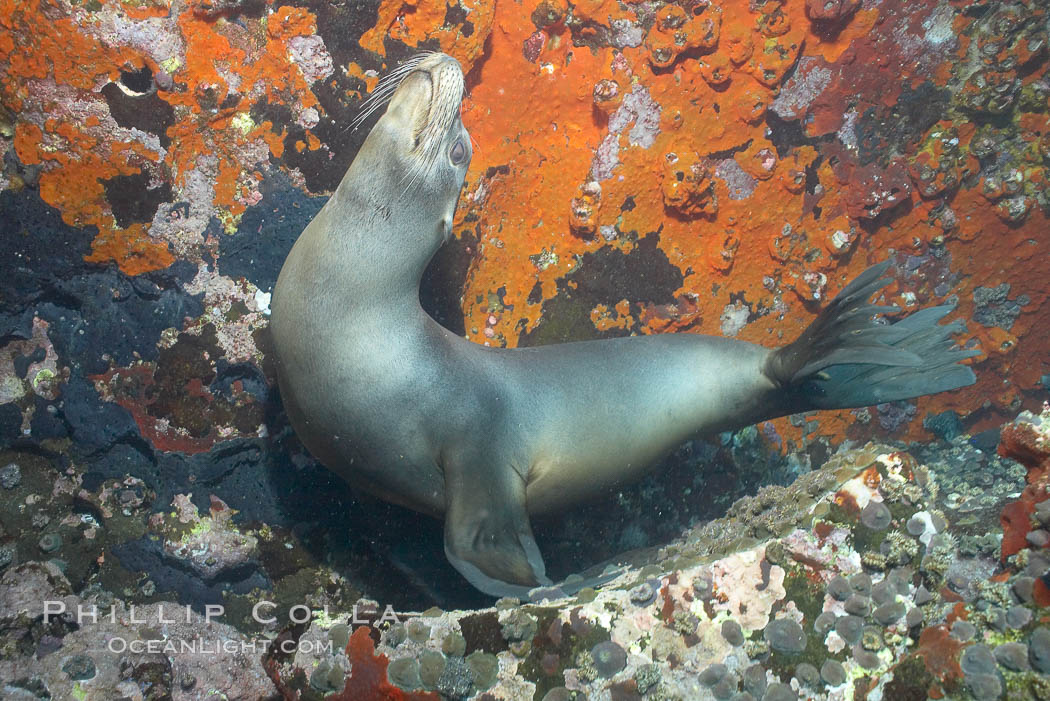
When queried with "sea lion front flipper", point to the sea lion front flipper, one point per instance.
{"points": [[488, 537]]}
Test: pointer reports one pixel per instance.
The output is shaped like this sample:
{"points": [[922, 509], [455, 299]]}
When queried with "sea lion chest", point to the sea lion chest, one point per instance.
{"points": [[361, 394]]}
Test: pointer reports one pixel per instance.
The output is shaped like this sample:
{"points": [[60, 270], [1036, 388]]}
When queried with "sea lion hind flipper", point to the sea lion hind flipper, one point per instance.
{"points": [[846, 359], [488, 537]]}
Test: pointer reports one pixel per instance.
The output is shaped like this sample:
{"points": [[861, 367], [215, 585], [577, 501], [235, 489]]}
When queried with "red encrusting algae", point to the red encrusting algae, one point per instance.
{"points": [[1021, 441]]}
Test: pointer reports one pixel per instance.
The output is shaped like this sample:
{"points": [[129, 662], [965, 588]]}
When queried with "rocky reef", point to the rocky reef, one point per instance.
{"points": [[711, 166], [876, 575]]}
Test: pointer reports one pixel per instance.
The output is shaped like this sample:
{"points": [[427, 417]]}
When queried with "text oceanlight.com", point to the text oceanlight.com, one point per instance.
{"points": [[200, 646], [262, 612]]}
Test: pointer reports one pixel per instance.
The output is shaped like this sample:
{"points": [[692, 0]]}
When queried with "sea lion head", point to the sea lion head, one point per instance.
{"points": [[420, 140]]}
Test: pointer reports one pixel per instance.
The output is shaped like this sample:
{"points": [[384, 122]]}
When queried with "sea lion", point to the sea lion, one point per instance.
{"points": [[408, 411]]}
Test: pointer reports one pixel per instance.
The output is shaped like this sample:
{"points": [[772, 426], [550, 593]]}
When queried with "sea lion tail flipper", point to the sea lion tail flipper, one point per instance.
{"points": [[845, 358], [488, 537]]}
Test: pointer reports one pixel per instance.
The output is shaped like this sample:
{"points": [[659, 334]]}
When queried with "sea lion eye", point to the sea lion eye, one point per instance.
{"points": [[458, 154]]}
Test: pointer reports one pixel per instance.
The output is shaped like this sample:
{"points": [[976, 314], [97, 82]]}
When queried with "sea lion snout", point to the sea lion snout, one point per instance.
{"points": [[421, 134]]}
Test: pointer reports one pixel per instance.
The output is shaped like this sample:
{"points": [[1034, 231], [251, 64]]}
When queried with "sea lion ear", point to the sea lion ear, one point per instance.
{"points": [[488, 537]]}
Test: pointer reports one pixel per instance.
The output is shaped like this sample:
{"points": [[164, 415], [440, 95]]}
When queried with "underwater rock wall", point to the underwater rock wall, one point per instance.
{"points": [[641, 167]]}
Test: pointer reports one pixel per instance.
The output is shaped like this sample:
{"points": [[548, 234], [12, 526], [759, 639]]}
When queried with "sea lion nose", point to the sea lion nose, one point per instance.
{"points": [[449, 75], [445, 65]]}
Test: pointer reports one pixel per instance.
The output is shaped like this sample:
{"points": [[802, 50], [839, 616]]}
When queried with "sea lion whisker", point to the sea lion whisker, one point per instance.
{"points": [[407, 180], [411, 176], [418, 173], [379, 97], [386, 88], [367, 107]]}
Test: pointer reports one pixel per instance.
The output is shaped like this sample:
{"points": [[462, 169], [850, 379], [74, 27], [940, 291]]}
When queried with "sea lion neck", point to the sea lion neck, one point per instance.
{"points": [[401, 189]]}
